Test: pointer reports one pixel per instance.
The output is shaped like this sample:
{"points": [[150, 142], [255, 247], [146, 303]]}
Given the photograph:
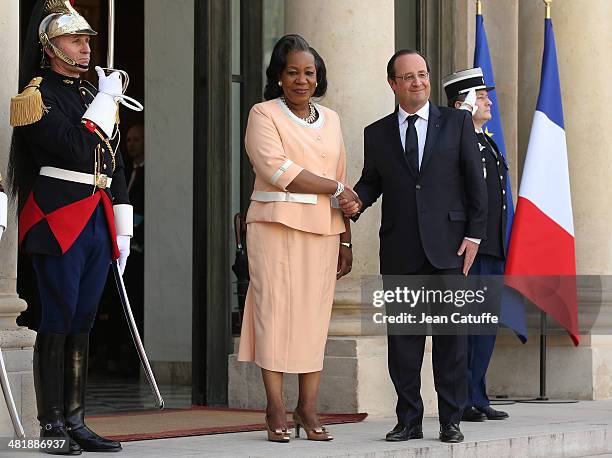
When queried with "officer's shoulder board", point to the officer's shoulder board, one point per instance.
{"points": [[28, 107]]}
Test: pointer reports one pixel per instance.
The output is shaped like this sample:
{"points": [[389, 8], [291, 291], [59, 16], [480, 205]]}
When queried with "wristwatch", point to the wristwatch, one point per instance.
{"points": [[349, 245]]}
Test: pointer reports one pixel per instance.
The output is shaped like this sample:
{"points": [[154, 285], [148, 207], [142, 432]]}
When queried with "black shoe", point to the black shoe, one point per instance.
{"points": [[472, 414], [77, 347], [451, 433], [493, 414], [404, 433], [48, 369]]}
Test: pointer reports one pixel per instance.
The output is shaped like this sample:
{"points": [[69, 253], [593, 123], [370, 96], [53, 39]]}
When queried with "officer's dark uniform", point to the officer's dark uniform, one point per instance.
{"points": [[69, 221], [489, 261], [68, 175], [68, 229]]}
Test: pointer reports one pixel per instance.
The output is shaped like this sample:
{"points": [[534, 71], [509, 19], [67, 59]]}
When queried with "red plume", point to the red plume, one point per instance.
{"points": [[72, 2]]}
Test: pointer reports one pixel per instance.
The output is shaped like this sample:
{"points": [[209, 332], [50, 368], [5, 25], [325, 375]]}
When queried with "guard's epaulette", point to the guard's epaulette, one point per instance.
{"points": [[28, 106]]}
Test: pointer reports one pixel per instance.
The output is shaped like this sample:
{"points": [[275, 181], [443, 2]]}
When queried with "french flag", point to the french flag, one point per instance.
{"points": [[542, 261]]}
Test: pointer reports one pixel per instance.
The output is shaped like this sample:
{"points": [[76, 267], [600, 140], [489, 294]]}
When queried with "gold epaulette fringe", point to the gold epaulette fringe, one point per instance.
{"points": [[28, 106]]}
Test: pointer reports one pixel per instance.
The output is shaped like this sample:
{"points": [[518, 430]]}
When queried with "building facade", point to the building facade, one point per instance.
{"points": [[201, 68]]}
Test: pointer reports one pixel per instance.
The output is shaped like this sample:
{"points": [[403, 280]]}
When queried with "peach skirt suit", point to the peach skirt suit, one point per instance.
{"points": [[292, 239]]}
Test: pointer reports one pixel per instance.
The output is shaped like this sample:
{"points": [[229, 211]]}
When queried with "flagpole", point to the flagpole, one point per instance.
{"points": [[542, 398], [543, 332], [479, 7]]}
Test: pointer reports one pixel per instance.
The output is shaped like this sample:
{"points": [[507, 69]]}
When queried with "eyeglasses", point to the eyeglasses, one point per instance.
{"points": [[410, 77]]}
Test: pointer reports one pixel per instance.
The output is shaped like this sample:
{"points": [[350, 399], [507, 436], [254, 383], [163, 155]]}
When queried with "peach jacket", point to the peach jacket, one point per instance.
{"points": [[280, 145]]}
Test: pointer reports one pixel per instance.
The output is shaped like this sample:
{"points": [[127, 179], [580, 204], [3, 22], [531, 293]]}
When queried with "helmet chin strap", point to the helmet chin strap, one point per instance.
{"points": [[64, 57], [47, 43]]}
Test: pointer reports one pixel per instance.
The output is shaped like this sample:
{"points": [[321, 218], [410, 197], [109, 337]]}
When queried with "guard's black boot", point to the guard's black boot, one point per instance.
{"points": [[48, 368], [77, 355]]}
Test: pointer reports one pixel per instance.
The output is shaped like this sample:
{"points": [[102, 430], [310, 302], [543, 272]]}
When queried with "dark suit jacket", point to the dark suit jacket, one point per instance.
{"points": [[425, 215]]}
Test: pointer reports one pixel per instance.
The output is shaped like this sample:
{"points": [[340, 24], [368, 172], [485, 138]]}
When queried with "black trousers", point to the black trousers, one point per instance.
{"points": [[449, 354]]}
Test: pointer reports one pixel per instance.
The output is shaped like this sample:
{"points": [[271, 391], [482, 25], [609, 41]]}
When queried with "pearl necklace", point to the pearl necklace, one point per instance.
{"points": [[312, 117]]}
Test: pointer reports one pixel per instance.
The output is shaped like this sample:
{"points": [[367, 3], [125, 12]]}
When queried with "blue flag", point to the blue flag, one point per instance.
{"points": [[512, 306]]}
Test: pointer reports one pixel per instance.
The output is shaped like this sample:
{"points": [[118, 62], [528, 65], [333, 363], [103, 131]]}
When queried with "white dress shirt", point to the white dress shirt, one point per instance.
{"points": [[420, 125]]}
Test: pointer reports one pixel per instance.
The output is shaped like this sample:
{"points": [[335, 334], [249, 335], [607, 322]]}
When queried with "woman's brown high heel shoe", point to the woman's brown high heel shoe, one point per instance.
{"points": [[277, 435], [313, 434]]}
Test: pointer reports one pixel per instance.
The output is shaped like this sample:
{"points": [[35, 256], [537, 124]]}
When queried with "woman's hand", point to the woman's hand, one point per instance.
{"points": [[349, 202], [345, 261]]}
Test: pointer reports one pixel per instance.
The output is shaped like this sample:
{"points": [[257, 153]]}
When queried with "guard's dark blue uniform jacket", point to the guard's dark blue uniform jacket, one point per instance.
{"points": [[495, 168], [57, 210]]}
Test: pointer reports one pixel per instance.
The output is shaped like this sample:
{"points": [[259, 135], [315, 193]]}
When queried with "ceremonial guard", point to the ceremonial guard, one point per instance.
{"points": [[74, 213], [467, 90]]}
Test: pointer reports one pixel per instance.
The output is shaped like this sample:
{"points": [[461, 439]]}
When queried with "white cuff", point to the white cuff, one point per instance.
{"points": [[124, 219], [282, 169], [3, 209], [476, 241], [103, 112]]}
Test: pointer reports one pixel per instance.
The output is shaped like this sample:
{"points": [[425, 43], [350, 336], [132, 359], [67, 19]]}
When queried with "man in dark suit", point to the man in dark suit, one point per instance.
{"points": [[468, 88], [424, 161]]}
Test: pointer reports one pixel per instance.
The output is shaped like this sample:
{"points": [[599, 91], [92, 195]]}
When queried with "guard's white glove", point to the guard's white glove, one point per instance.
{"points": [[469, 103], [103, 108], [123, 243], [3, 212], [110, 84]]}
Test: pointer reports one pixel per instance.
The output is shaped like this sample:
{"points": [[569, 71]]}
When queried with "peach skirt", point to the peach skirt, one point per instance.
{"points": [[289, 301]]}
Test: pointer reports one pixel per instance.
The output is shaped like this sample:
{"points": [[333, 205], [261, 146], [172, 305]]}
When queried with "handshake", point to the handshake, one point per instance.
{"points": [[349, 202]]}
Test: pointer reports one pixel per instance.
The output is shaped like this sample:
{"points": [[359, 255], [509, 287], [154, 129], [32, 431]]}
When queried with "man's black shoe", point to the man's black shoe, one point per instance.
{"points": [[404, 433], [472, 414], [451, 433], [493, 414]]}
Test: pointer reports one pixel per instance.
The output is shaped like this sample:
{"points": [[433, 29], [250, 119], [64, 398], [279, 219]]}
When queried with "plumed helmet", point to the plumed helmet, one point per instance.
{"points": [[61, 19]]}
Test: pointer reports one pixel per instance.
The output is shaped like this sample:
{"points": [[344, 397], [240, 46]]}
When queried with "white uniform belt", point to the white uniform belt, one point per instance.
{"points": [[265, 196], [71, 175]]}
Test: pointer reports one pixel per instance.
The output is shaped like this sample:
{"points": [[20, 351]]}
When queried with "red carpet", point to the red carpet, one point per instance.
{"points": [[195, 421]]}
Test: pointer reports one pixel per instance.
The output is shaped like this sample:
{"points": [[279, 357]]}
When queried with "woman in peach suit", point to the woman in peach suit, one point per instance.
{"points": [[298, 240]]}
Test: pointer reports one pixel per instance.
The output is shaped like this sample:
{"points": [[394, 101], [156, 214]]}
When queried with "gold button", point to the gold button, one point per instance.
{"points": [[504, 207], [503, 191], [501, 177]]}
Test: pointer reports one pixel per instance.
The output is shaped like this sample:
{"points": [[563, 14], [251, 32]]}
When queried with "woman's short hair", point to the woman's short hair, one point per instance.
{"points": [[278, 63]]}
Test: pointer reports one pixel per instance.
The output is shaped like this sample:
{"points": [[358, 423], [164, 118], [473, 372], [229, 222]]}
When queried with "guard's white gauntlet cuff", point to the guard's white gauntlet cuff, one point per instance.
{"points": [[124, 219], [103, 112], [3, 209]]}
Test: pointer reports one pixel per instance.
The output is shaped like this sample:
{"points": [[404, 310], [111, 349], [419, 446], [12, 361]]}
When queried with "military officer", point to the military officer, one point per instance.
{"points": [[74, 212], [467, 90]]}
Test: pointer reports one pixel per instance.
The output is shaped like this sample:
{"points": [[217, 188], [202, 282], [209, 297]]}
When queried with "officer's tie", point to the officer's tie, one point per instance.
{"points": [[412, 144]]}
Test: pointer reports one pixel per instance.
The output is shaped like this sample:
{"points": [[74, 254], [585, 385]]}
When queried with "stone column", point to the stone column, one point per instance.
{"points": [[356, 43], [585, 61], [16, 343]]}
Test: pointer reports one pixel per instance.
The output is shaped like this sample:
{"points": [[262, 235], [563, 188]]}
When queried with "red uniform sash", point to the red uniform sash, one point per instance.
{"points": [[68, 222]]}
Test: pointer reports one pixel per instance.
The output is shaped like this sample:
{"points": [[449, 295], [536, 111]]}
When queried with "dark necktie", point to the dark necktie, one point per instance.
{"points": [[412, 144]]}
